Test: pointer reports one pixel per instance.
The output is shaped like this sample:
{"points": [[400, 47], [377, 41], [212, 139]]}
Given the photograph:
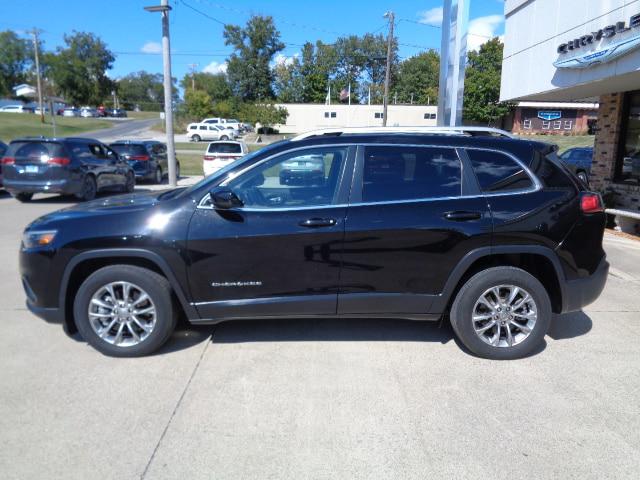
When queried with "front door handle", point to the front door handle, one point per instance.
{"points": [[462, 216], [318, 222]]}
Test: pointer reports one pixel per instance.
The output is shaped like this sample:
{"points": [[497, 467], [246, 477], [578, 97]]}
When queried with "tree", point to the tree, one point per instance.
{"points": [[15, 59], [198, 104], [215, 84], [288, 82], [264, 113], [142, 89], [79, 70], [482, 84], [418, 78], [249, 70], [318, 64]]}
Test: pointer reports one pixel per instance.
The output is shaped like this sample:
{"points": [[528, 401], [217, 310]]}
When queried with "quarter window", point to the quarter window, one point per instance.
{"points": [[407, 173], [497, 172], [297, 179]]}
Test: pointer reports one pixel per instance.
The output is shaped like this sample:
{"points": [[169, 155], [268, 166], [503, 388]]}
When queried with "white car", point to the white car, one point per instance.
{"points": [[88, 112], [220, 154], [233, 134], [14, 109], [197, 132], [226, 122], [71, 112]]}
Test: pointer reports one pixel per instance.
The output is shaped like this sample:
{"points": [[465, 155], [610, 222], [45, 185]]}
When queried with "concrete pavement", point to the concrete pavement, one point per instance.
{"points": [[320, 399]]}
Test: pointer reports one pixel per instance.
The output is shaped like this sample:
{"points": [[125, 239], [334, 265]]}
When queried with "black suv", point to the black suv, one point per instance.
{"points": [[148, 158], [493, 233], [70, 166]]}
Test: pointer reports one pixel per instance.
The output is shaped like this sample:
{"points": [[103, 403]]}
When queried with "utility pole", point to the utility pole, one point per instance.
{"points": [[35, 33], [164, 9], [192, 67], [387, 75]]}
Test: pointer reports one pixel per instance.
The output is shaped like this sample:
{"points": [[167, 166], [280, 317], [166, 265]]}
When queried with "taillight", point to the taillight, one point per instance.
{"points": [[8, 160], [209, 157], [591, 203], [143, 158], [59, 161]]}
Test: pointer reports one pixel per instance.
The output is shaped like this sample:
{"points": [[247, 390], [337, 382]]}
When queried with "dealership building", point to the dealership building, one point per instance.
{"points": [[581, 51]]}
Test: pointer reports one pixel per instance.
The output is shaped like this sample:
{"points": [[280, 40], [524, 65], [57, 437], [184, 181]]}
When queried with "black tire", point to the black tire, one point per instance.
{"points": [[89, 188], [23, 196], [157, 178], [224, 137], [130, 182], [196, 138], [155, 285], [177, 171], [462, 312]]}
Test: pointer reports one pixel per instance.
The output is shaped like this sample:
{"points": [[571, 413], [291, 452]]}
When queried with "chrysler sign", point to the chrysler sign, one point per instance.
{"points": [[613, 49]]}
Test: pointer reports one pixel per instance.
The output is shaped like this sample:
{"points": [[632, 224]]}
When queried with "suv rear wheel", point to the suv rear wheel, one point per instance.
{"points": [[501, 313], [89, 188], [158, 176], [125, 311], [23, 197], [195, 138]]}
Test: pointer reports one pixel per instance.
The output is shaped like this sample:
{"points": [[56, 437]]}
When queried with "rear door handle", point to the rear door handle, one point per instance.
{"points": [[318, 222], [461, 216]]}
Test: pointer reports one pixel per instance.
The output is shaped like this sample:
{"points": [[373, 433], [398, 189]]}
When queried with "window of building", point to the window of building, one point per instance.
{"points": [[497, 172], [378, 115], [429, 116], [568, 124], [557, 124], [628, 159], [329, 114], [526, 124], [546, 125], [407, 173]]}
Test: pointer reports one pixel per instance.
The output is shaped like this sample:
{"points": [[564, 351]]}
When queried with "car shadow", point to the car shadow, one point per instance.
{"points": [[53, 199], [570, 325], [331, 330]]}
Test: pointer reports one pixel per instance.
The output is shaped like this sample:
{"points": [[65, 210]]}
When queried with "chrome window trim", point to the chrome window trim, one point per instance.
{"points": [[537, 185]]}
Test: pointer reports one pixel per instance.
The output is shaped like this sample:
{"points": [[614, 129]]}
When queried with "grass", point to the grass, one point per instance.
{"points": [[564, 142], [143, 115], [14, 125]]}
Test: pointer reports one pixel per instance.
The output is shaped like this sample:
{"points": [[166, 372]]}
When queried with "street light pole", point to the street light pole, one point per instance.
{"points": [[168, 84], [35, 33], [387, 74]]}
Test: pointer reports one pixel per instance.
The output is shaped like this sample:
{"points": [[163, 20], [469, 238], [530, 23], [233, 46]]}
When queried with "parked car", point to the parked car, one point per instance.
{"points": [[494, 234], [303, 170], [148, 158], [3, 148], [227, 122], [15, 109], [69, 166], [88, 112], [117, 112], [579, 161], [228, 130], [101, 111], [221, 153], [45, 110], [197, 132], [71, 112]]}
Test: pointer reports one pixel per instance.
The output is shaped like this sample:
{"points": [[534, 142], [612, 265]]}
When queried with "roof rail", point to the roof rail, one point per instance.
{"points": [[471, 131]]}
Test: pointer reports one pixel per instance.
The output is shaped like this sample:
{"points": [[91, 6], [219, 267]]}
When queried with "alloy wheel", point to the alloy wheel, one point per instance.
{"points": [[122, 314], [504, 315]]}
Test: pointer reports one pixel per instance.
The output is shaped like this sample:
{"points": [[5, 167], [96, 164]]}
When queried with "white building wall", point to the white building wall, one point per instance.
{"points": [[305, 117], [535, 28]]}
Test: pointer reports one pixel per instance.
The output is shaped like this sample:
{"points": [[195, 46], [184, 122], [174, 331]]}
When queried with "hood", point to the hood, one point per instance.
{"points": [[119, 204]]}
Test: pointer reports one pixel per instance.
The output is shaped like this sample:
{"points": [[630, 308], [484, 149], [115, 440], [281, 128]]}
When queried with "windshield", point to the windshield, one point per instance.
{"points": [[235, 165], [224, 147]]}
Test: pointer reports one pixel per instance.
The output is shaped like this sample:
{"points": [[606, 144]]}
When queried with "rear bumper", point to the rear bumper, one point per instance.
{"points": [[580, 293], [45, 186]]}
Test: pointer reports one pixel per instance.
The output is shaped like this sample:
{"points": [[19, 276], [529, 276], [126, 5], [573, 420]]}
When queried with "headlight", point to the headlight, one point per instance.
{"points": [[38, 238]]}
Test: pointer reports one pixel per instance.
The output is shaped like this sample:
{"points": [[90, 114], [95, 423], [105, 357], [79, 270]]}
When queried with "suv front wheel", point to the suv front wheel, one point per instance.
{"points": [[501, 313], [125, 311]]}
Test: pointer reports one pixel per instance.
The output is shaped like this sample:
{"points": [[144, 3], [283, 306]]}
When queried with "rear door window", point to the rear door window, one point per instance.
{"points": [[406, 173], [128, 149], [497, 172], [35, 152], [226, 147]]}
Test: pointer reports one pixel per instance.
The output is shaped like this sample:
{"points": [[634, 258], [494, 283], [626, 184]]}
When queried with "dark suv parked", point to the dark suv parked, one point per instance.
{"points": [[70, 166], [493, 233], [148, 158]]}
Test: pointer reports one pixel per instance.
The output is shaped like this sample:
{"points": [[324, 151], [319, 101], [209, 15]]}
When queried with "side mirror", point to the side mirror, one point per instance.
{"points": [[225, 199]]}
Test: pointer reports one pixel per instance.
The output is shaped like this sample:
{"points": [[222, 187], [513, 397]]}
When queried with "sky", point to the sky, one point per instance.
{"points": [[196, 26]]}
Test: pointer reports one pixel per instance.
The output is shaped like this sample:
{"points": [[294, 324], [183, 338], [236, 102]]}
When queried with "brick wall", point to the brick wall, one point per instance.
{"points": [[610, 118]]}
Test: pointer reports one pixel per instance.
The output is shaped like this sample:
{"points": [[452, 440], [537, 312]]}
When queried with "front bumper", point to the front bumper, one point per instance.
{"points": [[584, 291]]}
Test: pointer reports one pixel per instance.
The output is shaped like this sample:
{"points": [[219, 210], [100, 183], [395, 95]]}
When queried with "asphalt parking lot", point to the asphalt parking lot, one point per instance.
{"points": [[320, 399]]}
